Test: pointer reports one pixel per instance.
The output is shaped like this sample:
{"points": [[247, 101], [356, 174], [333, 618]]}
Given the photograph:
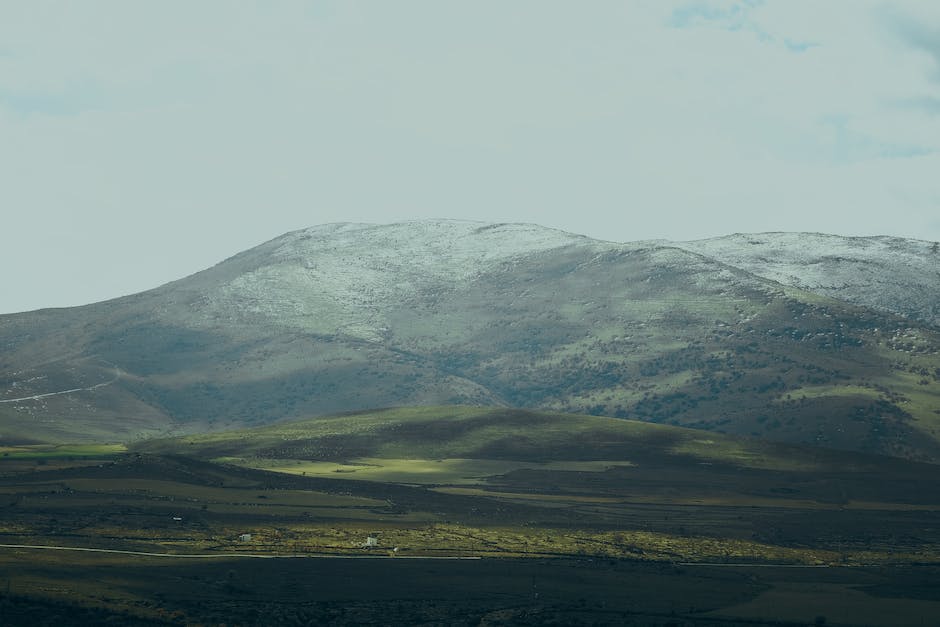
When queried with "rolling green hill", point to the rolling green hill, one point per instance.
{"points": [[478, 450]]}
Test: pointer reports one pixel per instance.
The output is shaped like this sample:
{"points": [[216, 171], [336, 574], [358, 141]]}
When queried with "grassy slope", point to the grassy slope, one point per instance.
{"points": [[669, 344], [602, 473], [449, 432]]}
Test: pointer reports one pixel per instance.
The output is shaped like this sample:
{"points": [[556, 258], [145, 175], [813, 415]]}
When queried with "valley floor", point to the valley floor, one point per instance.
{"points": [[99, 535]]}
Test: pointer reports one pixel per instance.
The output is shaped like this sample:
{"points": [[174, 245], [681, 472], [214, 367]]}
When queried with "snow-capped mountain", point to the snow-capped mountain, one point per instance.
{"points": [[345, 317], [343, 278]]}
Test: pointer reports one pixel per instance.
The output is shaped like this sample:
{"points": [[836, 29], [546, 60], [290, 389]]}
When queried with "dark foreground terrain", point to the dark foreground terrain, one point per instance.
{"points": [[466, 516], [42, 588]]}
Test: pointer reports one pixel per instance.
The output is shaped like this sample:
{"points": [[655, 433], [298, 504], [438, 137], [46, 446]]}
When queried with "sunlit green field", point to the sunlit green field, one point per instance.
{"points": [[55, 451]]}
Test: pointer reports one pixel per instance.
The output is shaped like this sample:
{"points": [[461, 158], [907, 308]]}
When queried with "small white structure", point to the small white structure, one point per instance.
{"points": [[245, 537], [371, 542]]}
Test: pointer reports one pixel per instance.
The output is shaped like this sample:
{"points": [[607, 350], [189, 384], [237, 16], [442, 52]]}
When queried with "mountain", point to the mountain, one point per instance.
{"points": [[892, 274], [348, 317]]}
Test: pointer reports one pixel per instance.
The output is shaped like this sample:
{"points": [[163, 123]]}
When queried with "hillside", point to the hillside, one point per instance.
{"points": [[496, 449], [487, 470], [892, 274], [350, 317]]}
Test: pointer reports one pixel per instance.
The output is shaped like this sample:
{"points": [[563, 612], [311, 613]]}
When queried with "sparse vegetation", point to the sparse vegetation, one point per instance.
{"points": [[608, 503]]}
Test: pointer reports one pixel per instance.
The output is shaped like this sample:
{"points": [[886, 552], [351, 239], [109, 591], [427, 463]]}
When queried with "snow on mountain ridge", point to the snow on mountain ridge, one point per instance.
{"points": [[440, 246], [892, 274], [346, 277], [392, 259], [339, 277]]}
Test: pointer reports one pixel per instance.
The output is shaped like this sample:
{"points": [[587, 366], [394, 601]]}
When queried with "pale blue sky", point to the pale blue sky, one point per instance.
{"points": [[143, 141]]}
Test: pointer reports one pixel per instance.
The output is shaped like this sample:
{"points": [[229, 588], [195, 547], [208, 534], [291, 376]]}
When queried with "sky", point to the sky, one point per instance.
{"points": [[143, 141]]}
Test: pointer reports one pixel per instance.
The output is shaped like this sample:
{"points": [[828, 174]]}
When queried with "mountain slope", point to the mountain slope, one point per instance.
{"points": [[350, 317], [901, 276]]}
